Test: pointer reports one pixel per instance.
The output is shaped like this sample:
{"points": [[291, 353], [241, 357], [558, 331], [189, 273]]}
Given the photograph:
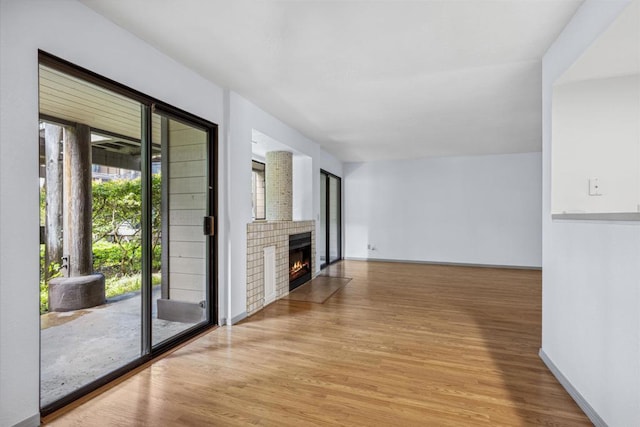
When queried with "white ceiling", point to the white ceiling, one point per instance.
{"points": [[370, 80]]}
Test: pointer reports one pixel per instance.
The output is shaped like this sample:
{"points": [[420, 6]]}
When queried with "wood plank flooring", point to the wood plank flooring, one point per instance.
{"points": [[401, 345]]}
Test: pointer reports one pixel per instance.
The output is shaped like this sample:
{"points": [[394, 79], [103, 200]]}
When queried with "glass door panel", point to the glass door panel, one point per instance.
{"points": [[334, 219], [330, 238], [180, 202], [322, 237], [91, 210]]}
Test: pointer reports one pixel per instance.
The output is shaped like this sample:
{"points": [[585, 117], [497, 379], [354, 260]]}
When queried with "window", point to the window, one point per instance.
{"points": [[258, 190]]}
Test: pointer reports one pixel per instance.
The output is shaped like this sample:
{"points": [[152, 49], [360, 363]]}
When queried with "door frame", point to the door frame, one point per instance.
{"points": [[327, 176], [150, 104]]}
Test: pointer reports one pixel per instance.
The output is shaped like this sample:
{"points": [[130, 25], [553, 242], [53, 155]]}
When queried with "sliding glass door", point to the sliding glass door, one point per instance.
{"points": [[330, 239], [127, 267], [322, 236], [180, 170], [91, 211], [334, 219]]}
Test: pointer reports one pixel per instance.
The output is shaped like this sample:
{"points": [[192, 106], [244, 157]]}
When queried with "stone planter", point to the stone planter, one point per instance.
{"points": [[74, 293]]}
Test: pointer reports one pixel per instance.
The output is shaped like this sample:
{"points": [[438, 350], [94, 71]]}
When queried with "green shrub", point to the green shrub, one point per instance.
{"points": [[44, 297], [116, 204], [54, 271], [115, 286], [123, 259]]}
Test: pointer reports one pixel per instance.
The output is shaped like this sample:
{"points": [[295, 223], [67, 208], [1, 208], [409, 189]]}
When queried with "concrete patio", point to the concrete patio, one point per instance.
{"points": [[78, 347]]}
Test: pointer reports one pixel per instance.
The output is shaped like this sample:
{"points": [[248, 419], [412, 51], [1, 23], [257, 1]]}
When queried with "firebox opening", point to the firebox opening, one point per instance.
{"points": [[299, 259]]}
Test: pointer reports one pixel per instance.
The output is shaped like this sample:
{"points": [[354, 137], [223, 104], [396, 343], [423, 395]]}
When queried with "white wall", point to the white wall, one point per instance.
{"points": [[75, 33], [303, 195], [239, 201], [246, 119], [591, 270], [476, 210], [596, 135], [330, 164]]}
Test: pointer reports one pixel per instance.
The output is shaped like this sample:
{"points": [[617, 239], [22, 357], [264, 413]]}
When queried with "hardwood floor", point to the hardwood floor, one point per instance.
{"points": [[400, 345]]}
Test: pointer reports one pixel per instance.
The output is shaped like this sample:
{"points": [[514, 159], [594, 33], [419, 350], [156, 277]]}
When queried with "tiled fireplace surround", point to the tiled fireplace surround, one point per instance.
{"points": [[260, 235]]}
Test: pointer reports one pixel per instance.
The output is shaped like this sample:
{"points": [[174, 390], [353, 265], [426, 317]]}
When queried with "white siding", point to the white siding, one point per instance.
{"points": [[187, 207]]}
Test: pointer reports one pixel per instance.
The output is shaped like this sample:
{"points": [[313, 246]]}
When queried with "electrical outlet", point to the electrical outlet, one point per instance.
{"points": [[594, 187]]}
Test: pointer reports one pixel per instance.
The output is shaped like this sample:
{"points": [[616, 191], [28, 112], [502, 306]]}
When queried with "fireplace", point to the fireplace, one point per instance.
{"points": [[299, 259]]}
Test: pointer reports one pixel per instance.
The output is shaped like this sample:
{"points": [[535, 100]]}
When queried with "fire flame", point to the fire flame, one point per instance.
{"points": [[297, 266]]}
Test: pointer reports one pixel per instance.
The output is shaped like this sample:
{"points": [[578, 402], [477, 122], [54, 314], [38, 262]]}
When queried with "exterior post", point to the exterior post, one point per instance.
{"points": [[53, 209], [80, 288], [78, 200]]}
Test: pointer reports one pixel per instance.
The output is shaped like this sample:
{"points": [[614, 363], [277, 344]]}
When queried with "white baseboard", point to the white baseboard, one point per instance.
{"points": [[575, 394], [32, 421], [235, 319], [460, 264]]}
